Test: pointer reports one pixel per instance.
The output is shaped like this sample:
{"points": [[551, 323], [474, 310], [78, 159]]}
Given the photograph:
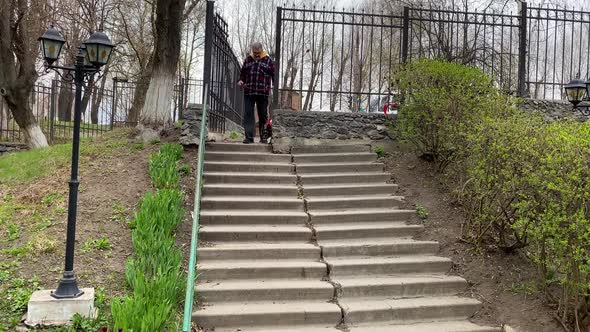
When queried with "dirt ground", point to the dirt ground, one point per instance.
{"points": [[503, 283], [110, 188]]}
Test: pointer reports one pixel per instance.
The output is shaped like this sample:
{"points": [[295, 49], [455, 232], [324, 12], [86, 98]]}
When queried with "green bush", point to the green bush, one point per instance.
{"points": [[523, 182], [154, 274], [443, 101]]}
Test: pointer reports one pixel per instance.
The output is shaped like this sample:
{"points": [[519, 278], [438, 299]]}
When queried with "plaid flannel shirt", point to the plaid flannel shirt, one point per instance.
{"points": [[257, 75]]}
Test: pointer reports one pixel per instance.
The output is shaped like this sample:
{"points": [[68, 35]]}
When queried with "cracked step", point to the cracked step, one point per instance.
{"points": [[348, 167], [249, 250], [255, 233], [335, 157], [366, 230], [261, 157], [247, 178], [265, 290], [377, 247], [249, 202], [252, 166], [347, 189], [250, 190], [427, 309], [335, 178], [353, 202], [401, 286], [344, 148], [257, 217], [414, 264], [261, 269], [360, 215], [238, 316], [238, 147], [450, 326]]}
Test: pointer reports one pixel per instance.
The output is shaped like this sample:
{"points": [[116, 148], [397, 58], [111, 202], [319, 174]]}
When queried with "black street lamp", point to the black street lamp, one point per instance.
{"points": [[92, 55], [578, 93]]}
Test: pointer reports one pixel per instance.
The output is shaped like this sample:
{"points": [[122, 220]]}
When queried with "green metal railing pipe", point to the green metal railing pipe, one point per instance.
{"points": [[192, 264]]}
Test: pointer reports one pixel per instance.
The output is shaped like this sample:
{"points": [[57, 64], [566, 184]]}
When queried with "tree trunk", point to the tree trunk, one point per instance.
{"points": [[17, 64], [17, 101], [156, 111], [65, 101], [139, 95], [89, 90], [97, 97]]}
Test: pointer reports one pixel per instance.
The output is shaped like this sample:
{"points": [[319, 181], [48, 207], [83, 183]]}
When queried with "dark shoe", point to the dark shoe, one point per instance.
{"points": [[247, 141]]}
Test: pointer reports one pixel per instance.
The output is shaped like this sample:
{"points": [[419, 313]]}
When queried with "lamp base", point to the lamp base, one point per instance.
{"points": [[44, 309], [68, 287]]}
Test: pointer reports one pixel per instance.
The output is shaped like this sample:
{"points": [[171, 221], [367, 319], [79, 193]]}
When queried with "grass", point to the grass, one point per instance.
{"points": [[380, 151], [26, 218], [27, 166], [421, 211], [91, 245]]}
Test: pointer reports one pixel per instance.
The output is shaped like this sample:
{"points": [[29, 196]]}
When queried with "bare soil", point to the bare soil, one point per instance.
{"points": [[110, 189], [501, 282]]}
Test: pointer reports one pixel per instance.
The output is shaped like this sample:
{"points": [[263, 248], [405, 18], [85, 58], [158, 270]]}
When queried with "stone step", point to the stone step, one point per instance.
{"points": [[248, 167], [250, 190], [249, 250], [348, 167], [238, 147], [360, 216], [335, 157], [451, 326], [345, 148], [247, 157], [377, 247], [251, 202], [260, 269], [401, 286], [286, 328], [350, 189], [244, 178], [339, 178], [353, 202], [247, 217], [414, 264], [412, 310], [364, 230], [243, 315], [265, 290], [255, 233]]}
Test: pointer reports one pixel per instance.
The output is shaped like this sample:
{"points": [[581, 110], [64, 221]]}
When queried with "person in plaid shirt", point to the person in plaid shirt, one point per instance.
{"points": [[256, 77]]}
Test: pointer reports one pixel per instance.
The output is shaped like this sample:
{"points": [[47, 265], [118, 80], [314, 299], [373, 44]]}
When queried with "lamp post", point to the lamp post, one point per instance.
{"points": [[578, 93], [92, 55]]}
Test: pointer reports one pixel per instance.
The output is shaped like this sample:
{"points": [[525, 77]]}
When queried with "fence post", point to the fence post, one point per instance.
{"points": [[405, 34], [276, 78], [180, 107], [114, 106], [522, 49], [209, 30], [52, 108]]}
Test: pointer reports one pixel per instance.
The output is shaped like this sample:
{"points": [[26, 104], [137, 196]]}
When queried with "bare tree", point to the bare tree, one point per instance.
{"points": [[21, 22]]}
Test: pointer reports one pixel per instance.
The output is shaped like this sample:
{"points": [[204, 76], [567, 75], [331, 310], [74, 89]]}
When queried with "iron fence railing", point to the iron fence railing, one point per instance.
{"points": [[346, 60], [104, 108], [221, 73]]}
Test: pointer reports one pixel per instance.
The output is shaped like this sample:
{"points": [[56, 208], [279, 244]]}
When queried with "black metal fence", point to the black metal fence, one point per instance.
{"points": [[104, 108], [345, 60], [221, 73]]}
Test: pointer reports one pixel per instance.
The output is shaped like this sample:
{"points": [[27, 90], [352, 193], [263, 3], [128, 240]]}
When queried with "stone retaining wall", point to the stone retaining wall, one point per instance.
{"points": [[304, 128], [191, 127]]}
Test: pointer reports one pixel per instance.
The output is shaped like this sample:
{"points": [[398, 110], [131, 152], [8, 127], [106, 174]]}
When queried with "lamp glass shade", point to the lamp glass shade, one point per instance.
{"points": [[51, 44], [99, 49], [575, 91]]}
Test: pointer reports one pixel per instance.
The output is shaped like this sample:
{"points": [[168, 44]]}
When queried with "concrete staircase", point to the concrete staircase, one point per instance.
{"points": [[326, 249]]}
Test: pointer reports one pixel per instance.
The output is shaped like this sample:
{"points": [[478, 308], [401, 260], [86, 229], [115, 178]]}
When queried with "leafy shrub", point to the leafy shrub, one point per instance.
{"points": [[443, 102]]}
